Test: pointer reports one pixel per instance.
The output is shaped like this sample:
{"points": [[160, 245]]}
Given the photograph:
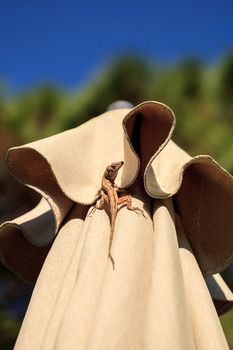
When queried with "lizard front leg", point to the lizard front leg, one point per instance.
{"points": [[127, 200]]}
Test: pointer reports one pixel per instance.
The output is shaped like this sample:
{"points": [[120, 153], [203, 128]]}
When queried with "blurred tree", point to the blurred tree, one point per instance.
{"points": [[28, 114], [226, 88], [125, 78], [226, 78], [190, 79], [9, 328]]}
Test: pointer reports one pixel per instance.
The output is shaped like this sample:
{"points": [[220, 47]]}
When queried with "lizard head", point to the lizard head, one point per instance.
{"points": [[112, 170]]}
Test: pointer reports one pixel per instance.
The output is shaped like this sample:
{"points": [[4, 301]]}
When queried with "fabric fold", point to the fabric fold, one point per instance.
{"points": [[37, 225], [32, 169], [204, 203], [221, 293], [72, 163], [66, 169], [202, 313], [155, 296], [166, 322]]}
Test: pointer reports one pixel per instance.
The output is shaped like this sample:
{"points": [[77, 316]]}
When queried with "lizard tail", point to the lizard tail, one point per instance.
{"points": [[110, 246]]}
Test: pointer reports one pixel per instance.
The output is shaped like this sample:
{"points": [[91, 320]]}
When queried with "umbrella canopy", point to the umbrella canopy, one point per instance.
{"points": [[165, 291]]}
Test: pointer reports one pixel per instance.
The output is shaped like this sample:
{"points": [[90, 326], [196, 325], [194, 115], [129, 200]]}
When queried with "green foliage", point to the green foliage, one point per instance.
{"points": [[227, 324], [29, 114], [226, 78], [9, 328], [200, 96]]}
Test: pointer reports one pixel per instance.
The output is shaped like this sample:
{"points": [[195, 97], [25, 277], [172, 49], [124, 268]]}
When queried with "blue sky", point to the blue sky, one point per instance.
{"points": [[66, 42]]}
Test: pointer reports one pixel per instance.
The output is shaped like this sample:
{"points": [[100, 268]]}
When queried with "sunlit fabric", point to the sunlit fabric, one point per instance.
{"points": [[165, 291]]}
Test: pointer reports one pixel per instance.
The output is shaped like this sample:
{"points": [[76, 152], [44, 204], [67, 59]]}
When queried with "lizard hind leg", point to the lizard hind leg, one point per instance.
{"points": [[127, 200]]}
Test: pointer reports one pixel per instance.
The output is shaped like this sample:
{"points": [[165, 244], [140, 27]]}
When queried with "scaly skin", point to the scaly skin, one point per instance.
{"points": [[108, 194]]}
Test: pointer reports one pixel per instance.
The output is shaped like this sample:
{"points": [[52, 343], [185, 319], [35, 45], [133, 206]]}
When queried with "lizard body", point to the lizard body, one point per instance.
{"points": [[108, 194]]}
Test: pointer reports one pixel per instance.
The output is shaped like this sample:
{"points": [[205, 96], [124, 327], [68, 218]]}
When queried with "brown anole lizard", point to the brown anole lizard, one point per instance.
{"points": [[108, 194]]}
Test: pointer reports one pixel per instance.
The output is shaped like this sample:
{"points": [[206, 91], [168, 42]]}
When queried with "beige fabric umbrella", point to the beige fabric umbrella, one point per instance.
{"points": [[161, 293]]}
